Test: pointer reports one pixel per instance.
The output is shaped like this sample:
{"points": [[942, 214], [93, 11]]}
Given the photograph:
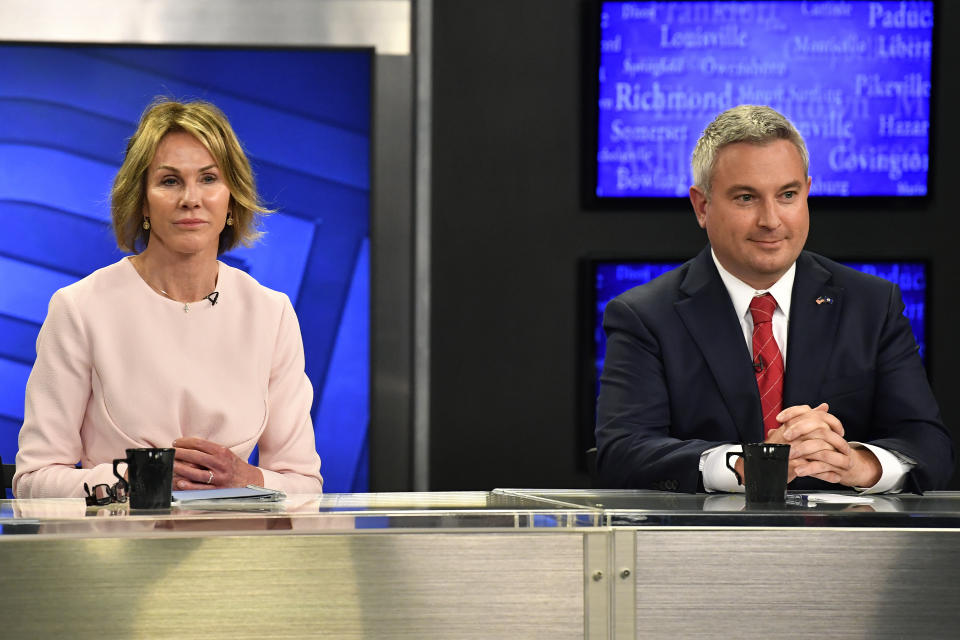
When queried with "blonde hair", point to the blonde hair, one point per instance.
{"points": [[745, 123], [210, 126]]}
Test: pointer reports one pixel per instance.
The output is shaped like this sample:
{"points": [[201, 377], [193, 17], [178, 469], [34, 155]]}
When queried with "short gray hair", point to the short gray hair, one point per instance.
{"points": [[746, 123]]}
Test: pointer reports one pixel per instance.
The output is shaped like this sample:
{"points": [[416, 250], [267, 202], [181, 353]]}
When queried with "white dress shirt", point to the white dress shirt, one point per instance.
{"points": [[716, 475]]}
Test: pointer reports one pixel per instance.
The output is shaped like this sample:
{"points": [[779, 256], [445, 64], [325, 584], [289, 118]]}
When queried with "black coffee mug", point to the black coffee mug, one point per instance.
{"points": [[149, 477], [765, 467]]}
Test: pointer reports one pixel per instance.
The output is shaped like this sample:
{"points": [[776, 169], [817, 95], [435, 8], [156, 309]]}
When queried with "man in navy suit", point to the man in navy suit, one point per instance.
{"points": [[679, 387]]}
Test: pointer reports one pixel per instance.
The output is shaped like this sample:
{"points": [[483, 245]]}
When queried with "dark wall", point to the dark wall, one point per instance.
{"points": [[509, 230]]}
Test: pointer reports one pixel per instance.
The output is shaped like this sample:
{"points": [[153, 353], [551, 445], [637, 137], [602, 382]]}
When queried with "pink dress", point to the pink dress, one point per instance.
{"points": [[119, 366]]}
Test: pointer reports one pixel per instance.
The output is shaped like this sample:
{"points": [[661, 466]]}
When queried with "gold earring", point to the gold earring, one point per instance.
{"points": [[229, 219], [146, 224]]}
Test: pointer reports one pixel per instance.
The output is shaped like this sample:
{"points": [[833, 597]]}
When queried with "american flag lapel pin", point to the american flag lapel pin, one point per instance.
{"points": [[824, 300]]}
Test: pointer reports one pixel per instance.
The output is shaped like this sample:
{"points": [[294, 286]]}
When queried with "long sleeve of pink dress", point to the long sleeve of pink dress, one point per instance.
{"points": [[120, 366]]}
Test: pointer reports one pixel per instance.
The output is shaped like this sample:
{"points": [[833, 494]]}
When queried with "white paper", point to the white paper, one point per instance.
{"points": [[836, 498], [249, 493]]}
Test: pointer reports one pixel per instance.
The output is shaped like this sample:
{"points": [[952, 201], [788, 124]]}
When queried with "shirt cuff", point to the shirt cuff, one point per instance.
{"points": [[894, 468], [713, 467]]}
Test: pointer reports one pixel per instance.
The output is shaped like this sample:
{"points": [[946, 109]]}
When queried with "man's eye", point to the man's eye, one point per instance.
{"points": [[790, 195], [744, 197]]}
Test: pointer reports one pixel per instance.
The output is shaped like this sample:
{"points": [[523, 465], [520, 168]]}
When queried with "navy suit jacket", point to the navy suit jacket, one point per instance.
{"points": [[678, 379]]}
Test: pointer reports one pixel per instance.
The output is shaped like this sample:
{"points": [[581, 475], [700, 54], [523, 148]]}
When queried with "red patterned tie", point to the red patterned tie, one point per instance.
{"points": [[767, 361]]}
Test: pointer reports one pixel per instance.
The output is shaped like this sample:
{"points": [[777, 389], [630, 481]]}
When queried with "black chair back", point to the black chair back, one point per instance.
{"points": [[591, 456], [6, 476]]}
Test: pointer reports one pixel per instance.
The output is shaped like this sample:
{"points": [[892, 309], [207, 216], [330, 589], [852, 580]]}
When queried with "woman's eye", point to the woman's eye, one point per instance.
{"points": [[168, 181], [209, 178]]}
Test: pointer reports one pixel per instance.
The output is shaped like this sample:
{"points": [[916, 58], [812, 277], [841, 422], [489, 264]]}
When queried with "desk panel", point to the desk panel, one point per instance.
{"points": [[797, 583], [361, 585]]}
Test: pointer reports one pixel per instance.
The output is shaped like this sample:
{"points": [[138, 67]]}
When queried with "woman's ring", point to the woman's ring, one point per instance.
{"points": [[210, 479]]}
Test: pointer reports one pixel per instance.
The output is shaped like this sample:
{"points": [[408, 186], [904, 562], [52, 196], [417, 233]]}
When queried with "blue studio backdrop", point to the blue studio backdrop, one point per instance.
{"points": [[303, 116]]}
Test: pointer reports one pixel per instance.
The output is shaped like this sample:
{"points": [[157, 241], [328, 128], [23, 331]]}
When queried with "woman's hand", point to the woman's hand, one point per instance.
{"points": [[201, 464]]}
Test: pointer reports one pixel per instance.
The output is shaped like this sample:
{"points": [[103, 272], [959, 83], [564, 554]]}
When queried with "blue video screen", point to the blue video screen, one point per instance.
{"points": [[303, 115], [611, 278], [853, 77]]}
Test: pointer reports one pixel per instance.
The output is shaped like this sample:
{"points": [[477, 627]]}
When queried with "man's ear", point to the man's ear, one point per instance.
{"points": [[699, 201]]}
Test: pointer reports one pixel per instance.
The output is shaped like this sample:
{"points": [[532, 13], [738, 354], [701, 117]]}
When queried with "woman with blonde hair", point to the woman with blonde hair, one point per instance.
{"points": [[169, 346]]}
